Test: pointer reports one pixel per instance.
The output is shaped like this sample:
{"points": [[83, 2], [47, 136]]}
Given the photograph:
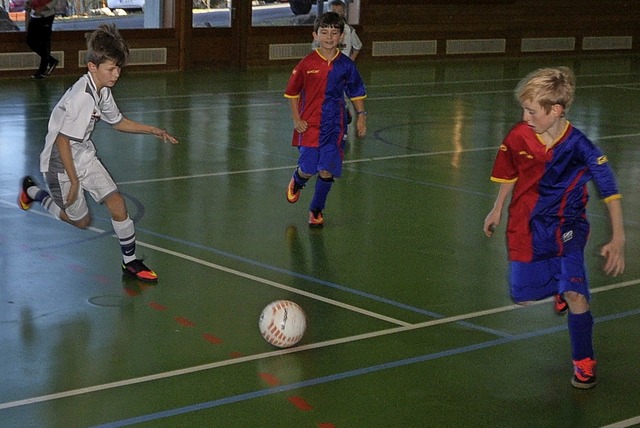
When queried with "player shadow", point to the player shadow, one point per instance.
{"points": [[134, 287], [311, 259]]}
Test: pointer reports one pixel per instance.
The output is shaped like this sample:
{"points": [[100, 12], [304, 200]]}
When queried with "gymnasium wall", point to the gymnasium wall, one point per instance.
{"points": [[390, 30]]}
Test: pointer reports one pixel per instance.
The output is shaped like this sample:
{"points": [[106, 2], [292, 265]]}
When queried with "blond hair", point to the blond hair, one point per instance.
{"points": [[547, 87]]}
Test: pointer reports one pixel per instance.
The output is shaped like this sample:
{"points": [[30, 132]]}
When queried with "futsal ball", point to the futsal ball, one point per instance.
{"points": [[282, 323]]}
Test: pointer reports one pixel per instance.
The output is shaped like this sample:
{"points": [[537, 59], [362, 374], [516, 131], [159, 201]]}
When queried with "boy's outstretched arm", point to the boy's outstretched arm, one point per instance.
{"points": [[493, 218], [133, 127], [613, 251]]}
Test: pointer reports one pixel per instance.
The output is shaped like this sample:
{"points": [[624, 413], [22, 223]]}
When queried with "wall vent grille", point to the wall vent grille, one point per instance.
{"points": [[479, 46], [137, 56], [607, 43], [405, 48], [548, 44], [289, 51], [25, 60]]}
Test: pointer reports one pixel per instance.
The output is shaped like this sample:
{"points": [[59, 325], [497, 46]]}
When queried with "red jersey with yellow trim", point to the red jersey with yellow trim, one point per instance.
{"points": [[549, 200], [320, 84]]}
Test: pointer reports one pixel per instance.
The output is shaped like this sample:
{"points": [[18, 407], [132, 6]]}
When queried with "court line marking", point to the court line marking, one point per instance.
{"points": [[382, 158], [214, 105], [624, 424], [346, 162], [324, 344], [253, 278], [208, 95], [402, 328], [348, 374], [277, 168]]}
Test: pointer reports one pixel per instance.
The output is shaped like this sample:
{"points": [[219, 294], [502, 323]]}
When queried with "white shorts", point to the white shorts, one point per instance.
{"points": [[95, 179]]}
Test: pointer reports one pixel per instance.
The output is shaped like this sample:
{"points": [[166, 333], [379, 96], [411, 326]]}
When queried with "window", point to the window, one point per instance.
{"points": [[86, 15], [267, 13]]}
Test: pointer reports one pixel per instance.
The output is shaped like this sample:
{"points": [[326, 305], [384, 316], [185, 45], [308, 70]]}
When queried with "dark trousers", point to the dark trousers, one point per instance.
{"points": [[39, 39]]}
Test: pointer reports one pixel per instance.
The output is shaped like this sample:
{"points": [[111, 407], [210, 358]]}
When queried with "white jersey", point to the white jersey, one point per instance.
{"points": [[351, 41], [75, 116]]}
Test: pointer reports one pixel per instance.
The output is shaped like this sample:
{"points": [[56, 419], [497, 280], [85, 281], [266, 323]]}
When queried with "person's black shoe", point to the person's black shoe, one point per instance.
{"points": [[53, 63]]}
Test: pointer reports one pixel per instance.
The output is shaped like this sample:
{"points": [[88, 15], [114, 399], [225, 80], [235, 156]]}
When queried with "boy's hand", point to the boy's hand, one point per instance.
{"points": [[165, 136], [613, 252], [361, 125], [73, 193], [491, 222], [300, 125]]}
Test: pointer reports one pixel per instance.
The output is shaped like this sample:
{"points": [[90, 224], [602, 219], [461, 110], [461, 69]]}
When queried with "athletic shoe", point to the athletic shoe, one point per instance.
{"points": [[316, 219], [584, 373], [559, 304], [293, 194], [24, 200], [138, 270], [53, 63], [38, 76]]}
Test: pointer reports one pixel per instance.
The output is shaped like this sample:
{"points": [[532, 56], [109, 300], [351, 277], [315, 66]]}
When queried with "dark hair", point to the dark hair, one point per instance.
{"points": [[329, 20], [106, 44]]}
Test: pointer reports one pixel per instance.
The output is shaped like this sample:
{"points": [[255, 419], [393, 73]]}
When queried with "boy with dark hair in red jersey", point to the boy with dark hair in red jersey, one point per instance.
{"points": [[316, 91], [545, 163]]}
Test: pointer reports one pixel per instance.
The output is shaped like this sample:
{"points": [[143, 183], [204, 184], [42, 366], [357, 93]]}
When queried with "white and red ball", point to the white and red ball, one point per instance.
{"points": [[282, 323]]}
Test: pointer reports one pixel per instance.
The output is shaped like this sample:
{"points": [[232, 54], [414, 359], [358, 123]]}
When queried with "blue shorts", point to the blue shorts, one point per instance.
{"points": [[327, 157], [541, 279]]}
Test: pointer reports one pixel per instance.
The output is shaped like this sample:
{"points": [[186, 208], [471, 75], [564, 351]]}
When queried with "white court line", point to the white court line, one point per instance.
{"points": [[203, 367], [277, 168], [283, 102], [274, 284], [346, 162], [624, 424], [251, 277]]}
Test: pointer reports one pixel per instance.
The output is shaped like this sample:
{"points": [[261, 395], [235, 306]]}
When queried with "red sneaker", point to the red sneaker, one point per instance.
{"points": [[138, 270], [584, 373], [293, 194], [559, 304], [316, 219], [24, 200]]}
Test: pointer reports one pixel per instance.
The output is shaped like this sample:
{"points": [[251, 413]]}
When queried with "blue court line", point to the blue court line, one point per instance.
{"points": [[290, 273], [320, 281], [140, 209], [352, 373]]}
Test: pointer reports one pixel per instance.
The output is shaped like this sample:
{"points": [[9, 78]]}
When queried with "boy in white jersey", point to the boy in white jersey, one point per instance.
{"points": [[69, 163]]}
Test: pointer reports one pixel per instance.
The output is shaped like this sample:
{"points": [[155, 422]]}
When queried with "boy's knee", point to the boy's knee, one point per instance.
{"points": [[303, 175], [578, 303], [325, 175], [83, 223], [116, 206]]}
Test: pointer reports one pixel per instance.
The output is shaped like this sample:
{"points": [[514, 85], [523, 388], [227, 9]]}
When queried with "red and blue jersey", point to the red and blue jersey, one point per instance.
{"points": [[547, 213], [320, 84]]}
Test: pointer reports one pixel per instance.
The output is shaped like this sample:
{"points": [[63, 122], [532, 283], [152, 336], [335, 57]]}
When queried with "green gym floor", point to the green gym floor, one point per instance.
{"points": [[409, 320]]}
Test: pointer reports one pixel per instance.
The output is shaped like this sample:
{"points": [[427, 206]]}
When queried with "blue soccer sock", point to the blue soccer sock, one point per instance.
{"points": [[300, 182], [323, 186], [581, 335]]}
